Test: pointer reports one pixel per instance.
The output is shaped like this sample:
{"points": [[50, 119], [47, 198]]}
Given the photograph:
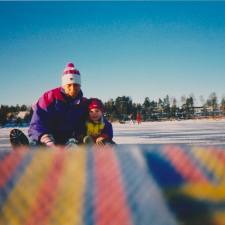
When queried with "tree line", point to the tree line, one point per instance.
{"points": [[9, 114], [167, 107], [122, 107]]}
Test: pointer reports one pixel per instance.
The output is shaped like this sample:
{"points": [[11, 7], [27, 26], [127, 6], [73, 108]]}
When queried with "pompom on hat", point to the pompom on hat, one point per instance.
{"points": [[71, 75], [94, 103]]}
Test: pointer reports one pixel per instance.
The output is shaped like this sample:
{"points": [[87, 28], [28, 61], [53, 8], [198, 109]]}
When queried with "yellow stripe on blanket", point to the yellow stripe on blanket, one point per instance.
{"points": [[69, 201], [23, 195]]}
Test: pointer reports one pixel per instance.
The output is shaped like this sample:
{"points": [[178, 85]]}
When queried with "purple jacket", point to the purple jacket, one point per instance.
{"points": [[108, 129], [57, 114]]}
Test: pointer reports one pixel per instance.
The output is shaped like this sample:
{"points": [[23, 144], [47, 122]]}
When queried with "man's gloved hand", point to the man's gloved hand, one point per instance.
{"points": [[48, 140]]}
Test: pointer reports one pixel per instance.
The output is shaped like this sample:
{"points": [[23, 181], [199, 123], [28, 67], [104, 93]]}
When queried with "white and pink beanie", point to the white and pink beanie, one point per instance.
{"points": [[71, 75]]}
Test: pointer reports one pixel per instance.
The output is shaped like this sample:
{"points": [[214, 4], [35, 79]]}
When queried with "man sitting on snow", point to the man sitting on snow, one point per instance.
{"points": [[59, 112]]}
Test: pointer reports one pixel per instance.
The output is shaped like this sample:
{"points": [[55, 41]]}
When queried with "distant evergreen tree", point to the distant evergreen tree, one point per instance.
{"points": [[213, 101], [166, 106], [153, 106], [223, 104], [191, 102], [31, 111], [112, 116], [160, 107], [27, 118], [109, 106], [174, 107], [11, 117], [146, 107], [204, 109], [17, 108], [187, 107], [3, 118], [23, 108], [19, 121], [3, 114], [146, 103]]}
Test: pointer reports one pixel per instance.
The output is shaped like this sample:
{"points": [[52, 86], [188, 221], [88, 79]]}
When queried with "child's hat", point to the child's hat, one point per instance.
{"points": [[95, 103], [71, 75]]}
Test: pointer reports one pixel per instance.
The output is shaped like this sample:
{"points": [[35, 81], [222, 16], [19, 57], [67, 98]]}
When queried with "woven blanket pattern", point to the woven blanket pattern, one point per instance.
{"points": [[120, 185]]}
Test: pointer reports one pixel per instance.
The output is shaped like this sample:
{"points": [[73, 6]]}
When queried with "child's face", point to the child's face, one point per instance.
{"points": [[95, 114]]}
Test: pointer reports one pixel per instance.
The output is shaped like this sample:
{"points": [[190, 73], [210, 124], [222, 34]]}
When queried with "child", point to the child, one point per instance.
{"points": [[97, 127]]}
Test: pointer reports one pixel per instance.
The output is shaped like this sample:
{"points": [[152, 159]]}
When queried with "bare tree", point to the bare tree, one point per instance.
{"points": [[183, 99], [204, 105], [212, 101], [202, 99]]}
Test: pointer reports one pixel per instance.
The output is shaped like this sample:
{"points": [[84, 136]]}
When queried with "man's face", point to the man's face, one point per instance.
{"points": [[95, 114], [72, 90]]}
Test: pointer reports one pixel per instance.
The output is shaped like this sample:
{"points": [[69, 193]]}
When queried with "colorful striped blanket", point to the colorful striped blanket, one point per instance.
{"points": [[123, 185]]}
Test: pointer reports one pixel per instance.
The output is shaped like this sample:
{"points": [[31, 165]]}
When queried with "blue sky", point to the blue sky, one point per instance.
{"points": [[138, 49]]}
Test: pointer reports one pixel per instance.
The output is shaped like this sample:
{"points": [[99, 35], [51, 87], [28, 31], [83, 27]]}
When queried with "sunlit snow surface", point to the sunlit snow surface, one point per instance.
{"points": [[191, 132], [194, 132]]}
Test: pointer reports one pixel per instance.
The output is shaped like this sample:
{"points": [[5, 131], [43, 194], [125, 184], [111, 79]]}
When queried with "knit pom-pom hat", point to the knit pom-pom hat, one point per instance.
{"points": [[94, 103], [71, 75]]}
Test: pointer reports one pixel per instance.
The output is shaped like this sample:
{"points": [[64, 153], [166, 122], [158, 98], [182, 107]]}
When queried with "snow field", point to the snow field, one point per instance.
{"points": [[191, 132]]}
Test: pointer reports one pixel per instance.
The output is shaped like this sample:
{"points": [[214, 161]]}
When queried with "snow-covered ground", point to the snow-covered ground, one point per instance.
{"points": [[192, 132]]}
